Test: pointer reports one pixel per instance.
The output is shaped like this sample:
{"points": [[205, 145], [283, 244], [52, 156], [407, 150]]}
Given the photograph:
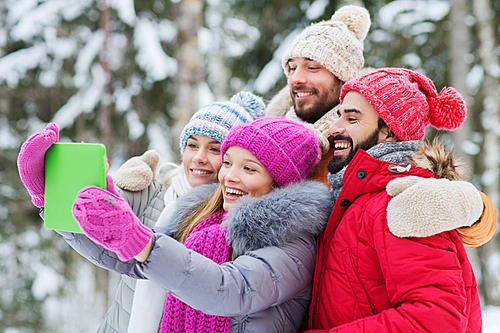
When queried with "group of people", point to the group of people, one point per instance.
{"points": [[324, 212]]}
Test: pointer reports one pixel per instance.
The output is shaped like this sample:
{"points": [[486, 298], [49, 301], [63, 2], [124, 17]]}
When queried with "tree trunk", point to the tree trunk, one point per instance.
{"points": [[189, 20], [490, 120], [459, 39]]}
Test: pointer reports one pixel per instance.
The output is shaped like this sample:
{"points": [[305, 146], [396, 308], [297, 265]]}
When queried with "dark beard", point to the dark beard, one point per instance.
{"points": [[311, 115], [336, 164]]}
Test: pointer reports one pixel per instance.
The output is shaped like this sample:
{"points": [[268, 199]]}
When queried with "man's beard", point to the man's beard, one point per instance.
{"points": [[314, 112], [336, 164]]}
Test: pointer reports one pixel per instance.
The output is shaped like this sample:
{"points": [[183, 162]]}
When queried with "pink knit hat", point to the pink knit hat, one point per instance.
{"points": [[286, 148], [408, 101]]}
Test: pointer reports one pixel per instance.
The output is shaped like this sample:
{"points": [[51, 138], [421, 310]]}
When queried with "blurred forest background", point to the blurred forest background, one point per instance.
{"points": [[130, 74]]}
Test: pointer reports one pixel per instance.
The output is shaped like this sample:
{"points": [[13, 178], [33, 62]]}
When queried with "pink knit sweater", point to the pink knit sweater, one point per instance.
{"points": [[209, 239]]}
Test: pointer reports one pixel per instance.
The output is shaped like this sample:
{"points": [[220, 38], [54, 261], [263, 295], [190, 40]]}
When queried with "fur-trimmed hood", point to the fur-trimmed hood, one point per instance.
{"points": [[424, 207], [270, 220], [441, 161]]}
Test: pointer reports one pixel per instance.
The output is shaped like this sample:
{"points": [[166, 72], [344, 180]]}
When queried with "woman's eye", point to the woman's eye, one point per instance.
{"points": [[192, 145], [215, 150]]}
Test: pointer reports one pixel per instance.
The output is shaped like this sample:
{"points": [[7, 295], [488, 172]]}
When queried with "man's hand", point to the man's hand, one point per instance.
{"points": [[424, 207]]}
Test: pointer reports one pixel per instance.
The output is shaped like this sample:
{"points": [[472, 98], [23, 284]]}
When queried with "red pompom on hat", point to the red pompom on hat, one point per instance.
{"points": [[448, 110], [408, 102]]}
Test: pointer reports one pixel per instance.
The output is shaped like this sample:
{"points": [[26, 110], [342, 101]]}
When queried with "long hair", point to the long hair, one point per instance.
{"points": [[202, 211]]}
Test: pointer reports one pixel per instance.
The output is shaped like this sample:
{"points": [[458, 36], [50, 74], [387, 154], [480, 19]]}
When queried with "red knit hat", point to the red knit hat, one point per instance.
{"points": [[408, 101]]}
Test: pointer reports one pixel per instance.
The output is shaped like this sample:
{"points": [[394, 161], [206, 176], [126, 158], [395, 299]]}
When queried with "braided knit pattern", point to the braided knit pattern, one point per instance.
{"points": [[209, 239], [107, 219]]}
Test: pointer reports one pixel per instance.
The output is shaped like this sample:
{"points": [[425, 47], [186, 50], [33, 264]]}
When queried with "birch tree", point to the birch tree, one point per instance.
{"points": [[490, 121]]}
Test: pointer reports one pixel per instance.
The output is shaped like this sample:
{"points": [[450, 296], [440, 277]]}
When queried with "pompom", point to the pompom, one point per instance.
{"points": [[252, 103], [448, 110], [356, 18]]}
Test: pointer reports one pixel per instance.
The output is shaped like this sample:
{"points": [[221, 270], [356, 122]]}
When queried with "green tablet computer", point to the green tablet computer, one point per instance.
{"points": [[70, 167]]}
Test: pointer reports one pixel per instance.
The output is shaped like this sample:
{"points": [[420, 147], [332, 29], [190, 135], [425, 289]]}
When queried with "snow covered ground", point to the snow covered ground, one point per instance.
{"points": [[491, 319]]}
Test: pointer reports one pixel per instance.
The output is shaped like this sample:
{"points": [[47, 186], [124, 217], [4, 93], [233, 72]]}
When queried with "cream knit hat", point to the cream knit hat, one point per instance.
{"points": [[336, 44]]}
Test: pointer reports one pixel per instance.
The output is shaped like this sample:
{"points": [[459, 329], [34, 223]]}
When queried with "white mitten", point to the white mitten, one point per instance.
{"points": [[138, 172], [424, 207]]}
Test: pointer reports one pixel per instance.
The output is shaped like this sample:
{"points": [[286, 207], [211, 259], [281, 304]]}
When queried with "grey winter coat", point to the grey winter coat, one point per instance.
{"points": [[147, 204], [267, 288]]}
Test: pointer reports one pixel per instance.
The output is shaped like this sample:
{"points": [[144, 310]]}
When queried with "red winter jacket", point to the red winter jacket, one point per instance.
{"points": [[368, 280]]}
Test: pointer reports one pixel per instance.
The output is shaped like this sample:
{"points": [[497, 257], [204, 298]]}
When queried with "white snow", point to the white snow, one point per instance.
{"points": [[86, 56], [8, 139], [412, 59], [125, 10], [150, 55], [316, 9], [272, 71], [135, 127], [241, 37], [470, 148], [15, 65], [159, 139], [46, 282], [205, 95], [84, 101], [491, 319], [405, 13], [166, 30], [474, 78]]}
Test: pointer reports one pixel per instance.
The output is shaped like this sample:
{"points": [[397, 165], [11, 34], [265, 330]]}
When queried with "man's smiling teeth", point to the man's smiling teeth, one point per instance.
{"points": [[234, 191], [200, 172], [303, 94], [341, 145]]}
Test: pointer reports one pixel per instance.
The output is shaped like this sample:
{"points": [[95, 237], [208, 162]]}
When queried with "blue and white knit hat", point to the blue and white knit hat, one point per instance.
{"points": [[217, 119]]}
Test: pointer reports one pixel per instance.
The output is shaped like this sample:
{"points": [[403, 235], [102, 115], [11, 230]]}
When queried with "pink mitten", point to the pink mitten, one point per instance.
{"points": [[106, 218], [31, 162]]}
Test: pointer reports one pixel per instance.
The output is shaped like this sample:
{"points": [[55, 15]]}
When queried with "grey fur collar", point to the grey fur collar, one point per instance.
{"points": [[271, 220]]}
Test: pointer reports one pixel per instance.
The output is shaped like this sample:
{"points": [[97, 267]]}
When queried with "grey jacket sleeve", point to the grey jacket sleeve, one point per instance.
{"points": [[253, 282], [98, 255]]}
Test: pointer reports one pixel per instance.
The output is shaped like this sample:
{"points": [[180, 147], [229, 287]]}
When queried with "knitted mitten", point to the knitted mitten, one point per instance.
{"points": [[138, 172], [107, 219], [424, 207], [31, 162]]}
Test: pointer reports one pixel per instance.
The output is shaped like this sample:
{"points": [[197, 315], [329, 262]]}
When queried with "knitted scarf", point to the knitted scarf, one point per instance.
{"points": [[392, 152], [209, 239], [149, 297]]}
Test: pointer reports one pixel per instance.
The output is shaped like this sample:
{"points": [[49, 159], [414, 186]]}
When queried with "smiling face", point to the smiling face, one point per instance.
{"points": [[201, 160], [358, 127], [242, 174], [313, 88]]}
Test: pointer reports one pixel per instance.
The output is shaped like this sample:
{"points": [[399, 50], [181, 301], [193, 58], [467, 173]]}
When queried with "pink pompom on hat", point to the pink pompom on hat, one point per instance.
{"points": [[408, 102], [287, 149]]}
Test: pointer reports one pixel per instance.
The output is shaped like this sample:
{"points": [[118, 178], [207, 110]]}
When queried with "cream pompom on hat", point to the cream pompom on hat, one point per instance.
{"points": [[337, 44]]}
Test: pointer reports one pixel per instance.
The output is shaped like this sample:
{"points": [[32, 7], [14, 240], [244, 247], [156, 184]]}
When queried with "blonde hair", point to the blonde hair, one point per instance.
{"points": [[202, 211]]}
